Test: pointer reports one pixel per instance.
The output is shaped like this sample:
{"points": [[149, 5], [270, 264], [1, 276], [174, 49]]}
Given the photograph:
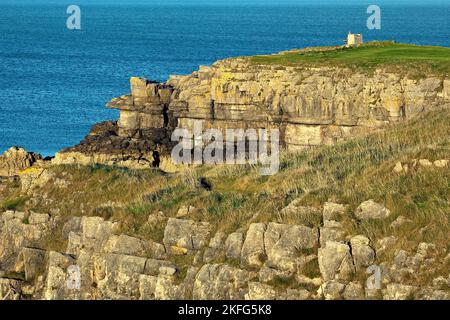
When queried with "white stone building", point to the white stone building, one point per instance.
{"points": [[354, 39]]}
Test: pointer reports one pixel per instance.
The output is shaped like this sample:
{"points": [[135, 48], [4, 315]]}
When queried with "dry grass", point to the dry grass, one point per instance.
{"points": [[350, 173]]}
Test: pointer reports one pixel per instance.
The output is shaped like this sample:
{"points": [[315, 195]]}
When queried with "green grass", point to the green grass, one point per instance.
{"points": [[415, 60], [14, 203]]}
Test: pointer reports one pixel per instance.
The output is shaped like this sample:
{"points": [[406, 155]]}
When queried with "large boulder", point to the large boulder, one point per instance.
{"points": [[335, 261], [363, 254], [165, 287], [117, 276], [95, 231], [33, 262], [124, 244], [17, 232], [253, 250], [15, 160], [186, 234], [139, 87], [216, 248], [273, 234], [371, 210], [34, 177], [91, 233], [96, 228], [38, 218], [56, 285], [331, 231], [220, 282], [294, 240], [72, 225], [233, 245]]}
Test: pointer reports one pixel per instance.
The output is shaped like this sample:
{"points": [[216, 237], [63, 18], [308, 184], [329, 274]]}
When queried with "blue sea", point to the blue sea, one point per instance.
{"points": [[54, 82]]}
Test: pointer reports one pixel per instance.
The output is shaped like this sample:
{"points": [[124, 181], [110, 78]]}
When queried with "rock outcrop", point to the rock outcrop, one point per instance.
{"points": [[371, 210], [15, 160], [310, 106], [266, 261]]}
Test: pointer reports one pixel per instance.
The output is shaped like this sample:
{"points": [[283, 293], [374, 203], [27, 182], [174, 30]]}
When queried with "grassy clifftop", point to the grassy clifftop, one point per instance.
{"points": [[421, 60]]}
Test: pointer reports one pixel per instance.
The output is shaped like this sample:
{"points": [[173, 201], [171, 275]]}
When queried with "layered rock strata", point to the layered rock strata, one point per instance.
{"points": [[264, 261], [309, 106]]}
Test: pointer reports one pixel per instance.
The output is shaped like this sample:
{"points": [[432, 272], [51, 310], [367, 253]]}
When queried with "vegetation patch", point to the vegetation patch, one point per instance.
{"points": [[14, 203], [415, 61]]}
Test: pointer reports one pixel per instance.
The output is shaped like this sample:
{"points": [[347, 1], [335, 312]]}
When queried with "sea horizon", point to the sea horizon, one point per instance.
{"points": [[51, 88]]}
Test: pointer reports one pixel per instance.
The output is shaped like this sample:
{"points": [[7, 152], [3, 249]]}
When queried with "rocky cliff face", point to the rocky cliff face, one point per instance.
{"points": [[267, 261], [310, 106]]}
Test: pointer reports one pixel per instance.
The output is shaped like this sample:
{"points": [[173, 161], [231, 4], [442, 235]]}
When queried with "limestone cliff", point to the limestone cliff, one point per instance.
{"points": [[310, 106]]}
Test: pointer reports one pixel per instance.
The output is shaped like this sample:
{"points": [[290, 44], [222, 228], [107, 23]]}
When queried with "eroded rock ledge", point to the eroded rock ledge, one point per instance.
{"points": [[310, 107]]}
